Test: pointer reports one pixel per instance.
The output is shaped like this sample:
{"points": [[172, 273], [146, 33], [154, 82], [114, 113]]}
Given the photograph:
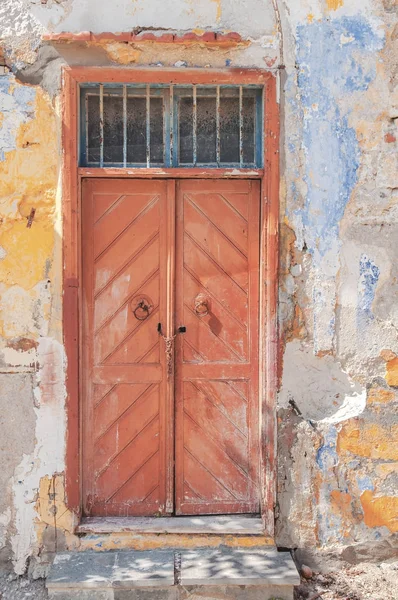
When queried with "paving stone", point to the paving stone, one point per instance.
{"points": [[103, 570], [237, 592], [82, 570], [79, 594], [153, 593], [144, 568], [237, 566]]}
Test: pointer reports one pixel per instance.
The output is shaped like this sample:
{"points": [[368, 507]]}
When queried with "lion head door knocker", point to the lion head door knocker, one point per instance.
{"points": [[201, 305], [141, 307]]}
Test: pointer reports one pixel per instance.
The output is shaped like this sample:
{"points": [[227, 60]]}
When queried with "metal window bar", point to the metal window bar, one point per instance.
{"points": [[218, 137], [148, 126], [125, 126], [194, 125], [171, 112], [86, 126], [240, 126], [101, 125]]}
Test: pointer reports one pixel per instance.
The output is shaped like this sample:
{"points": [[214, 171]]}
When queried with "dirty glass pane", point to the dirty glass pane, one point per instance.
{"points": [[93, 128], [136, 130], [156, 131], [234, 133], [206, 130], [185, 133], [229, 130], [248, 129], [113, 129]]}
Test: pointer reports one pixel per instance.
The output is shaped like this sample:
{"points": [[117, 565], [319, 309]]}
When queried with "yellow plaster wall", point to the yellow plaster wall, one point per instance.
{"points": [[28, 180]]}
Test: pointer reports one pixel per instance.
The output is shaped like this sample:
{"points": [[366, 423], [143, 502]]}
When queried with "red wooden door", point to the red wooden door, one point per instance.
{"points": [[127, 418], [217, 411], [138, 458]]}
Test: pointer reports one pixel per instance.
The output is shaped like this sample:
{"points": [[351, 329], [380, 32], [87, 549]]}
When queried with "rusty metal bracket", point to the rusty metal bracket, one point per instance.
{"points": [[169, 350]]}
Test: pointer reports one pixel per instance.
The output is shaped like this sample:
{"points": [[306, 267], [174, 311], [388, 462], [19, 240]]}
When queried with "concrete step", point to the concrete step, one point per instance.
{"points": [[174, 574]]}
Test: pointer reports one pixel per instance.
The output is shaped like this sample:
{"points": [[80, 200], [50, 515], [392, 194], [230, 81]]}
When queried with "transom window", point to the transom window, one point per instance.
{"points": [[171, 126]]}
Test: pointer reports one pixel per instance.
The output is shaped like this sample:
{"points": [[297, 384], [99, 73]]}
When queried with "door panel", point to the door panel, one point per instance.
{"points": [[127, 410], [217, 292]]}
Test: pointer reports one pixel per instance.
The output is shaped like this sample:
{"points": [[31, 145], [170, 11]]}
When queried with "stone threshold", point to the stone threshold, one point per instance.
{"points": [[216, 525]]}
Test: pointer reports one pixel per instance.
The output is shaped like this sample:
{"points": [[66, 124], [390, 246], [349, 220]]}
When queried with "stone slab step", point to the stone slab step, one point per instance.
{"points": [[218, 525], [171, 573]]}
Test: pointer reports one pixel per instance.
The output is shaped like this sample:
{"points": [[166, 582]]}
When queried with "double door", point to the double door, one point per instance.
{"points": [[169, 347]]}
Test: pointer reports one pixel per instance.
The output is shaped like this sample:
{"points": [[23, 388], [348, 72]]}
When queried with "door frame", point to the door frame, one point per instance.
{"points": [[72, 176]]}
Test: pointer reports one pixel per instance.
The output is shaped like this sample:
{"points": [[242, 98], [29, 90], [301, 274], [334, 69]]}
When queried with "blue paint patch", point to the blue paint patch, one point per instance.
{"points": [[365, 483], [369, 274], [329, 68], [327, 457], [17, 107], [228, 62]]}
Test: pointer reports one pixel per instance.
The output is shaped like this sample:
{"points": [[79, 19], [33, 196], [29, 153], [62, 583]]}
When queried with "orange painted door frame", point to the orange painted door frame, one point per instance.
{"points": [[72, 280]]}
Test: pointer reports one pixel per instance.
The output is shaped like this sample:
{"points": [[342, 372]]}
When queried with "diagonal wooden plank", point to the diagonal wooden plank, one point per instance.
{"points": [[200, 288], [141, 483], [221, 393], [118, 437], [222, 403], [115, 404], [102, 202], [218, 319], [203, 341], [218, 283], [118, 223], [217, 245], [214, 261], [106, 312], [128, 265], [223, 216], [125, 248], [124, 287], [202, 447], [205, 484], [122, 325], [101, 391], [108, 348], [134, 456], [134, 348], [216, 423]]}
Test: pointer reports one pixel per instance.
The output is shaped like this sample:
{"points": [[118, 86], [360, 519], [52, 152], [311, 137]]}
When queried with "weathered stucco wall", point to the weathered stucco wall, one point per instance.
{"points": [[338, 463]]}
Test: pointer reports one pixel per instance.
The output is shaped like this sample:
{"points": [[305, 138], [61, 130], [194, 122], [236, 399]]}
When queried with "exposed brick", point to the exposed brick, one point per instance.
{"points": [[228, 37], [107, 35], [165, 38], [82, 36], [390, 138]]}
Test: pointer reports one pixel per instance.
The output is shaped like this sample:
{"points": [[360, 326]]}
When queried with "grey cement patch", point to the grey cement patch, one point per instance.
{"points": [[45, 71], [17, 424]]}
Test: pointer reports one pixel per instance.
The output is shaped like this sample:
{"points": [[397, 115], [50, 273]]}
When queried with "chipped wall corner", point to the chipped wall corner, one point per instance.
{"points": [[338, 280]]}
